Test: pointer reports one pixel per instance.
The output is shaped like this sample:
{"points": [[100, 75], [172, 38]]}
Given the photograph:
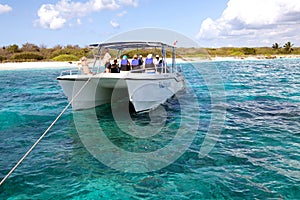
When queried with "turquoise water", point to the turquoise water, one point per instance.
{"points": [[257, 155]]}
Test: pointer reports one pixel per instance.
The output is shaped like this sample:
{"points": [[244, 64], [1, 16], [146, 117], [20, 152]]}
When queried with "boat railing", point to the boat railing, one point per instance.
{"points": [[70, 72], [141, 70], [160, 70], [147, 70]]}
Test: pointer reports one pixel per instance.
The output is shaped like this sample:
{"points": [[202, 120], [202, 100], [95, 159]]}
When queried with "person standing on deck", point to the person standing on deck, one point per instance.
{"points": [[106, 60]]}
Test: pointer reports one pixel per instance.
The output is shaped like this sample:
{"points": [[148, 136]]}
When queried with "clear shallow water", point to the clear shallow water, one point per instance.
{"points": [[257, 154]]}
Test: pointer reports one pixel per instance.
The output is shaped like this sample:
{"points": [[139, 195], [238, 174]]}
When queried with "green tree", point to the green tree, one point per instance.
{"points": [[27, 56], [13, 48], [2, 58], [275, 46], [249, 51], [66, 57], [288, 47]]}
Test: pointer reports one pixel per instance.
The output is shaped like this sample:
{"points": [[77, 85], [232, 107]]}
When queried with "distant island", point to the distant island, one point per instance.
{"points": [[275, 51], [32, 53]]}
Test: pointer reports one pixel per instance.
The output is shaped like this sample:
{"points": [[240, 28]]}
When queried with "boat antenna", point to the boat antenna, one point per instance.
{"points": [[43, 135]]}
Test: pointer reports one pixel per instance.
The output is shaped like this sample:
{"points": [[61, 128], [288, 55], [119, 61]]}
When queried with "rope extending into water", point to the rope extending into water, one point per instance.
{"points": [[43, 135]]}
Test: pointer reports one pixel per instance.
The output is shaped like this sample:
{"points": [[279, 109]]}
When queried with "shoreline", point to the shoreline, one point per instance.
{"points": [[237, 58], [74, 64], [36, 65]]}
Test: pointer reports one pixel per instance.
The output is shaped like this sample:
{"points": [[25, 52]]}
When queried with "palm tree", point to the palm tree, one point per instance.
{"points": [[275, 46], [288, 47]]}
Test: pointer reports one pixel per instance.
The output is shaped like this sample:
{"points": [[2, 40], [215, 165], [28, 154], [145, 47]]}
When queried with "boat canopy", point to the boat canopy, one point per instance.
{"points": [[129, 45], [123, 45]]}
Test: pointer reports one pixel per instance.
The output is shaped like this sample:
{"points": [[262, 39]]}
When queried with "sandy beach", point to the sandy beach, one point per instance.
{"points": [[74, 64], [56, 65], [36, 65]]}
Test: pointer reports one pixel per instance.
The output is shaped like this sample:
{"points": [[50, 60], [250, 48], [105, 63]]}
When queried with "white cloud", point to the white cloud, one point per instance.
{"points": [[254, 22], [129, 2], [114, 24], [121, 14], [5, 8], [50, 17], [55, 16]]}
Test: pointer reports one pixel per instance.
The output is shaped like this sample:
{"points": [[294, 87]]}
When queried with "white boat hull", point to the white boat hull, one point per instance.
{"points": [[144, 91]]}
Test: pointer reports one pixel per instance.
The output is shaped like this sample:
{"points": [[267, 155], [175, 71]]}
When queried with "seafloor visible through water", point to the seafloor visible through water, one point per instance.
{"points": [[257, 154]]}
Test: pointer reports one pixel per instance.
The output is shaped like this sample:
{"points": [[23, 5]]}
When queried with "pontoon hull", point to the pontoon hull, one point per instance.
{"points": [[144, 91]]}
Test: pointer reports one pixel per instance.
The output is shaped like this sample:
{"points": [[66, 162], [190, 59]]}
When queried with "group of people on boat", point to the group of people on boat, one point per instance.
{"points": [[136, 63], [126, 65]]}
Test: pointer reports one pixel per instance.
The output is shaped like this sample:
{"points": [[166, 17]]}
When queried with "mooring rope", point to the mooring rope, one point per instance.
{"points": [[43, 135]]}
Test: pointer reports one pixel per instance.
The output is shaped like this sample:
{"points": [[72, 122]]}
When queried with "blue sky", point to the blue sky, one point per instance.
{"points": [[213, 23]]}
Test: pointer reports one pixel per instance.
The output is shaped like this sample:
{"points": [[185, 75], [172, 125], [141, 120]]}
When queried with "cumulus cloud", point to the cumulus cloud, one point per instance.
{"points": [[50, 17], [55, 16], [254, 22], [114, 24], [5, 8]]}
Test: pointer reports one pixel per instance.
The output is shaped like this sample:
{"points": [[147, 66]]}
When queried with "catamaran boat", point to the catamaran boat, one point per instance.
{"points": [[146, 86]]}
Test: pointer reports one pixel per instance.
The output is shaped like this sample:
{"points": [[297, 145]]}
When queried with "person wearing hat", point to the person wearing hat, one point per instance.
{"points": [[158, 62], [149, 62], [85, 65], [135, 62], [156, 59], [106, 58], [141, 62], [125, 64]]}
